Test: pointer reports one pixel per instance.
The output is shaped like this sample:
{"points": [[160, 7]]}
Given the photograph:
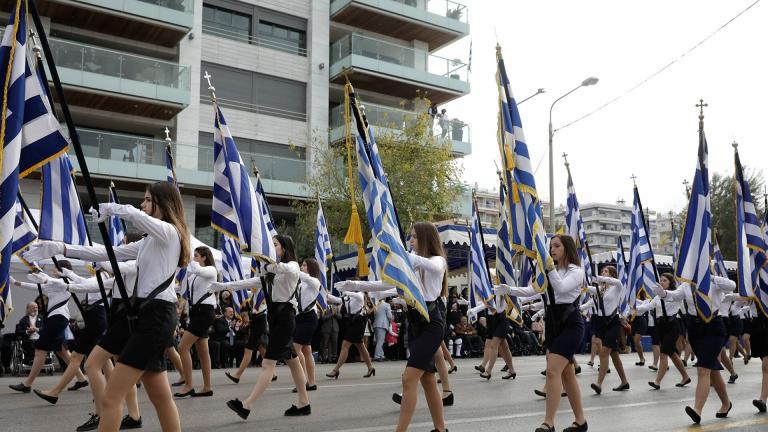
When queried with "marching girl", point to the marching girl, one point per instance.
{"points": [[282, 281], [639, 324], [354, 326], [668, 328], [564, 330], [306, 318], [707, 342], [758, 331], [733, 330], [165, 248], [735, 327], [609, 298], [201, 273], [748, 312], [644, 307], [498, 329], [424, 337], [258, 336]]}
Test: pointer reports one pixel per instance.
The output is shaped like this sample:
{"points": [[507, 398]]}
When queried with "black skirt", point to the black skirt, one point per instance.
{"points": [[735, 326], [306, 324], [424, 345], [707, 341], [95, 326], [145, 348], [52, 334], [501, 325], [564, 339], [282, 323], [114, 340], [609, 331], [669, 331], [258, 334], [640, 325], [759, 336], [354, 327], [201, 317]]}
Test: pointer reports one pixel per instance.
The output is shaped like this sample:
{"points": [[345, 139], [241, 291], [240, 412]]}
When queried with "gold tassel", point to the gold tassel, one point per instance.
{"points": [[355, 231]]}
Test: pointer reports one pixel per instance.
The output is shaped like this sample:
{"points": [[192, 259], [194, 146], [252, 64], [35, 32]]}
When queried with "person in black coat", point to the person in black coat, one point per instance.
{"points": [[222, 339]]}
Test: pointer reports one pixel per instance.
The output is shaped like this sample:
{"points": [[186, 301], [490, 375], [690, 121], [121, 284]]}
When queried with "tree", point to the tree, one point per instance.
{"points": [[723, 205], [423, 175]]}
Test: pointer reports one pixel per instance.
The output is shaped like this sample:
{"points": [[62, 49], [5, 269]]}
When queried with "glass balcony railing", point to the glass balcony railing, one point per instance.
{"points": [[178, 5], [446, 8], [151, 151], [395, 118], [290, 48], [102, 61], [398, 55]]}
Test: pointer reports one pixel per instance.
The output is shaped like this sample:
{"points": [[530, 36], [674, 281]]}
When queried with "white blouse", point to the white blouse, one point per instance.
{"points": [[156, 255], [198, 280], [566, 284], [719, 286], [353, 301], [309, 289], [610, 293], [283, 287], [56, 295]]}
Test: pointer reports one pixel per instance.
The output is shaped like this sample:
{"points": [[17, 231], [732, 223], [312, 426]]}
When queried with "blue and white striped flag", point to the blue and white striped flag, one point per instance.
{"points": [[521, 182], [323, 253], [232, 270], [621, 269], [266, 212], [170, 167], [693, 264], [235, 210], [750, 251], [480, 280], [115, 225], [641, 274], [394, 266], [761, 290], [30, 135], [23, 233], [718, 261], [61, 217], [504, 254], [575, 227]]}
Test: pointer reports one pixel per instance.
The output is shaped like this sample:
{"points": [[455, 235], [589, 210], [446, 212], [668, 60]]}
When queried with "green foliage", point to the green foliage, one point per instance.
{"points": [[723, 204], [423, 176]]}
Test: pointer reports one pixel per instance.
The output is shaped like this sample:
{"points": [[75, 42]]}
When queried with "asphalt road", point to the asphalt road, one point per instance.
{"points": [[355, 404]]}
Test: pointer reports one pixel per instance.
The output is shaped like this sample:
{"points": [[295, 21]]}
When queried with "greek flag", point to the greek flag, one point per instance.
{"points": [[480, 280], [61, 217], [504, 268], [259, 301], [693, 263], [235, 210], [575, 227], [621, 269], [521, 182], [392, 259], [232, 270], [266, 212], [751, 245], [323, 253], [115, 225], [761, 290], [23, 232], [30, 135], [171, 174], [718, 262], [641, 274]]}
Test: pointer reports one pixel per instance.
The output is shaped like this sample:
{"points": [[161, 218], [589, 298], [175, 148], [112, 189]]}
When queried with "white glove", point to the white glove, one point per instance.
{"points": [[345, 286], [54, 285], [501, 289], [658, 290], [38, 278], [43, 249], [69, 274], [194, 267], [105, 211]]}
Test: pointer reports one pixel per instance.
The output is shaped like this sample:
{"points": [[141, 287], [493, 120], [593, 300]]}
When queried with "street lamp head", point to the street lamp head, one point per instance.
{"points": [[589, 81], [540, 91]]}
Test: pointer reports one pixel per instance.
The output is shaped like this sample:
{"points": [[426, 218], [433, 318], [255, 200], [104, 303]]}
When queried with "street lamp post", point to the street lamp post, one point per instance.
{"points": [[587, 82]]}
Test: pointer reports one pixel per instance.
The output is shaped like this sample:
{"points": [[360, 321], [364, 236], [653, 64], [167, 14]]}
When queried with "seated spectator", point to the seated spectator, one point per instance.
{"points": [[28, 329], [222, 339], [482, 327], [470, 340]]}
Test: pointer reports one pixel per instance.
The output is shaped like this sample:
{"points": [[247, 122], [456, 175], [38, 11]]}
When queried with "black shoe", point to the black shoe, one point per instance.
{"points": [[640, 363], [512, 375], [540, 393], [294, 411], [202, 394], [596, 388], [760, 405], [590, 363], [180, 383], [371, 372], [486, 376], [685, 363], [747, 359], [453, 369], [78, 385], [544, 372], [623, 387], [724, 414], [231, 377], [274, 378], [732, 379], [448, 400], [653, 368], [480, 369], [237, 406], [50, 399], [128, 422], [312, 387], [332, 374], [185, 394], [578, 370], [91, 424], [545, 428], [654, 385], [505, 368], [684, 383], [20, 387], [693, 415], [575, 427], [397, 398]]}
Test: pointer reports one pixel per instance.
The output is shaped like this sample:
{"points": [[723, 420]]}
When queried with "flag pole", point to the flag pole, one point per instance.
{"points": [[647, 232], [76, 144], [113, 191]]}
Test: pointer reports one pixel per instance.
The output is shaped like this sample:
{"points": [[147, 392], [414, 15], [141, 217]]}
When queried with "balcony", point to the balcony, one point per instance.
{"points": [[159, 22], [437, 22], [386, 119], [396, 70], [133, 157], [104, 79]]}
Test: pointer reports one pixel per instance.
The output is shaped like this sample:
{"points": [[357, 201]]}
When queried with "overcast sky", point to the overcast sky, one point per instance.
{"points": [[651, 132]]}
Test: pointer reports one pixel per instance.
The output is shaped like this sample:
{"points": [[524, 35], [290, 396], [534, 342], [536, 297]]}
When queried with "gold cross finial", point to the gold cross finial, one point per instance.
{"points": [[735, 145], [701, 106], [167, 135], [633, 177], [565, 156]]}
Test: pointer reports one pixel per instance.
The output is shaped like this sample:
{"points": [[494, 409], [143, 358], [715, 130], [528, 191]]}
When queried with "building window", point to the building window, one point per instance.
{"points": [[282, 38], [226, 23], [274, 161]]}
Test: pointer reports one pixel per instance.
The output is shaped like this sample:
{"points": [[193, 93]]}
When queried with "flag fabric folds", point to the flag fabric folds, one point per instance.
{"points": [[528, 234], [323, 253], [236, 210], [115, 225], [693, 264], [761, 290], [61, 217], [623, 273], [23, 233], [641, 274], [480, 280], [750, 250], [504, 256], [718, 261], [232, 270], [171, 170], [575, 227]]}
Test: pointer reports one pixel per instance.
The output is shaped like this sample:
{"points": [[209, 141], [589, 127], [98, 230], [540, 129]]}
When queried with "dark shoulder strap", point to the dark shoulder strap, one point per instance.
{"points": [[57, 305]]}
